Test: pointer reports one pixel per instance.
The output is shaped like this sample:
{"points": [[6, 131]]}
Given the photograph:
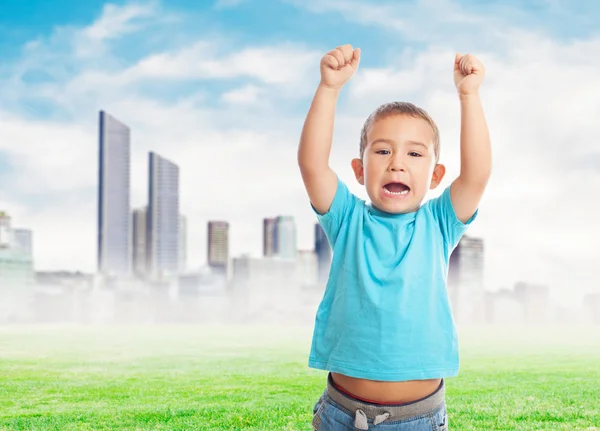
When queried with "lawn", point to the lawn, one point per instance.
{"points": [[256, 378]]}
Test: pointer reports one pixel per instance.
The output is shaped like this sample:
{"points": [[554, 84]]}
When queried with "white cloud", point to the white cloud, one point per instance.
{"points": [[248, 94], [117, 21], [44, 151], [283, 68], [279, 64], [239, 164], [417, 20]]}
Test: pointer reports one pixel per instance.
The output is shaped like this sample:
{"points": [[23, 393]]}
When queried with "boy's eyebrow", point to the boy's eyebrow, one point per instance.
{"points": [[382, 140], [391, 141], [419, 143]]}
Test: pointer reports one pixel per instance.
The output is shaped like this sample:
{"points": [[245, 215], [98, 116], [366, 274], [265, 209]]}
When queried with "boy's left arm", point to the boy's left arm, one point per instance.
{"points": [[475, 148]]}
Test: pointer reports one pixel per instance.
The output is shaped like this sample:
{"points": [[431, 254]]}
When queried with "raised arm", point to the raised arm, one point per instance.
{"points": [[337, 67], [475, 148]]}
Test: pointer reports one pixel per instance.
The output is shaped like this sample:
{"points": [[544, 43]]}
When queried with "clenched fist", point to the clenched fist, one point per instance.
{"points": [[338, 66], [468, 74]]}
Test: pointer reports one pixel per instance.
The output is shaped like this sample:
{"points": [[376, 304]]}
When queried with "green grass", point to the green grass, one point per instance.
{"points": [[234, 378]]}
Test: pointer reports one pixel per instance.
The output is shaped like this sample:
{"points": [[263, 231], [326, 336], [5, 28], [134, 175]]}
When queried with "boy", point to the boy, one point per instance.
{"points": [[384, 328]]}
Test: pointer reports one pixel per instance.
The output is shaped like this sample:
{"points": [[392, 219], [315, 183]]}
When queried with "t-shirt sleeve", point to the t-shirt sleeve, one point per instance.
{"points": [[339, 211], [451, 227]]}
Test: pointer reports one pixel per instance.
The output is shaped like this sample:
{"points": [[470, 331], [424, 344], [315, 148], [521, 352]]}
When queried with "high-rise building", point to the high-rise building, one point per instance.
{"points": [[17, 280], [307, 268], [23, 240], [16, 272], [114, 226], [5, 230], [218, 246], [465, 280], [139, 220], [323, 252], [182, 244], [286, 237], [535, 300], [271, 277], [503, 307], [269, 237], [163, 218]]}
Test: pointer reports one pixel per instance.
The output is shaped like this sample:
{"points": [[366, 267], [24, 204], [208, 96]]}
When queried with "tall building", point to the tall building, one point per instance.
{"points": [[323, 252], [23, 240], [17, 280], [286, 237], [218, 246], [16, 272], [162, 228], [503, 307], [5, 230], [275, 279], [182, 244], [465, 280], [114, 226], [139, 220], [307, 268], [535, 300], [269, 237], [268, 288]]}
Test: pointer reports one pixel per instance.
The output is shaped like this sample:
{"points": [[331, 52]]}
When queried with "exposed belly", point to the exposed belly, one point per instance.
{"points": [[386, 392]]}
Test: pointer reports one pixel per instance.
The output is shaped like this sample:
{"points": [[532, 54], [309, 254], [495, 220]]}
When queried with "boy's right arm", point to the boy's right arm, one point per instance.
{"points": [[337, 67]]}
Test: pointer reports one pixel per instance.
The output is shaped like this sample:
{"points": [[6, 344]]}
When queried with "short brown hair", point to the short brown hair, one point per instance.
{"points": [[400, 108]]}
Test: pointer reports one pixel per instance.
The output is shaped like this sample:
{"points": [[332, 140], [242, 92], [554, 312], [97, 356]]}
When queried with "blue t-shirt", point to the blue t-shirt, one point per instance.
{"points": [[385, 313]]}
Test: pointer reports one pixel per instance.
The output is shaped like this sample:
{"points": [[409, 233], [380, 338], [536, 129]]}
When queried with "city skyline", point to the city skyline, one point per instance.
{"points": [[251, 288], [226, 100]]}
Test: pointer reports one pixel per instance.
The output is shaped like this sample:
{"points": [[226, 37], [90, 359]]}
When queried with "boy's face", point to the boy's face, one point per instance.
{"points": [[398, 166]]}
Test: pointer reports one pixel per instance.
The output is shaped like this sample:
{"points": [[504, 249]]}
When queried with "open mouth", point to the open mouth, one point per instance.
{"points": [[396, 189]]}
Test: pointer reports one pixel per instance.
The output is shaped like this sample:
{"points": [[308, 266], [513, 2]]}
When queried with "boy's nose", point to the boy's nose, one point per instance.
{"points": [[397, 165]]}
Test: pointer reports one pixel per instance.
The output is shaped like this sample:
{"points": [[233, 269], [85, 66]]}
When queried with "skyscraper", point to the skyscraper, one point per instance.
{"points": [[5, 230], [307, 268], [323, 252], [162, 228], [218, 246], [139, 219], [465, 280], [182, 243], [269, 237], [286, 237], [17, 275], [23, 240], [114, 227]]}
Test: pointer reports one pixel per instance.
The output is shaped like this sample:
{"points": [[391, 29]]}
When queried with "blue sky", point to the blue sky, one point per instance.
{"points": [[265, 21], [222, 88]]}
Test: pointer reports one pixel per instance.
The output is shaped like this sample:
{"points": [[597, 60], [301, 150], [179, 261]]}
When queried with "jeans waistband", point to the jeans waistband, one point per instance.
{"points": [[396, 412]]}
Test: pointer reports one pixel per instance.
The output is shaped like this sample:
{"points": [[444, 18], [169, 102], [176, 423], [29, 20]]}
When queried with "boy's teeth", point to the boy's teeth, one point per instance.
{"points": [[403, 192]]}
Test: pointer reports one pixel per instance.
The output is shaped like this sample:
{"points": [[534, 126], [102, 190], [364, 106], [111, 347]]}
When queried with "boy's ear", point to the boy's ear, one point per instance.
{"points": [[438, 175], [359, 171]]}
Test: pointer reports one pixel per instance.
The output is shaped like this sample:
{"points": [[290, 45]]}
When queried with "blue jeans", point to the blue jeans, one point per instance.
{"points": [[336, 411]]}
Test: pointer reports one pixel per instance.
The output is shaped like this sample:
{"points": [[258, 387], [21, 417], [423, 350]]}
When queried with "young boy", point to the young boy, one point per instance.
{"points": [[384, 328]]}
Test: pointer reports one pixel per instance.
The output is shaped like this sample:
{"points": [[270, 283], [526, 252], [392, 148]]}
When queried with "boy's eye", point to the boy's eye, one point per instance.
{"points": [[413, 154], [382, 152]]}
